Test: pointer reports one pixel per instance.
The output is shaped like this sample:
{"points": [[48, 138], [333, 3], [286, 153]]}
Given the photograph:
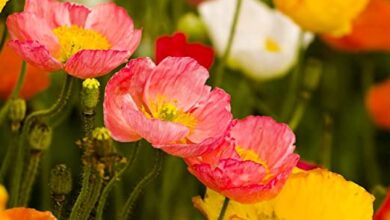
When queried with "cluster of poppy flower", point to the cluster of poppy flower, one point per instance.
{"points": [[252, 160]]}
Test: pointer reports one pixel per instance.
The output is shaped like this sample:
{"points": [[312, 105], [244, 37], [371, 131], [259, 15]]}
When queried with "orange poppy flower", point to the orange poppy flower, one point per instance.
{"points": [[370, 31], [10, 63], [378, 103], [20, 213]]}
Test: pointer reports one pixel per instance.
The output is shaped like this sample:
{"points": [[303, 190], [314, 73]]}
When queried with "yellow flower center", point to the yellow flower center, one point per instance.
{"points": [[271, 45], [168, 111], [74, 39], [251, 155]]}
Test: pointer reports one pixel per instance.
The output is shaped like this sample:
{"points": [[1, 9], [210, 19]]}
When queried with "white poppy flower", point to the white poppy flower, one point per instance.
{"points": [[266, 42], [90, 3]]}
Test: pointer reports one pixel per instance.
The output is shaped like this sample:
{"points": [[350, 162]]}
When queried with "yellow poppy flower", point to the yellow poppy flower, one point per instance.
{"points": [[323, 16], [317, 194], [2, 4]]}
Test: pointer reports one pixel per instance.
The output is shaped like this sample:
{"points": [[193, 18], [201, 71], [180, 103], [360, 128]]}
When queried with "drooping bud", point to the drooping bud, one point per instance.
{"points": [[17, 112], [193, 26], [60, 181], [40, 136], [90, 94], [102, 141]]}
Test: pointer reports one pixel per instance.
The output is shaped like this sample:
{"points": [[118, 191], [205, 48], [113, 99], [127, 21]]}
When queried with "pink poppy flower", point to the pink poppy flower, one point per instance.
{"points": [[252, 164], [84, 42], [168, 105]]}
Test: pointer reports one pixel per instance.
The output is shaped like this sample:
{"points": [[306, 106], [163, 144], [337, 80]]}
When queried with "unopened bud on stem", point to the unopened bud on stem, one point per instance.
{"points": [[40, 136], [90, 94], [17, 112]]}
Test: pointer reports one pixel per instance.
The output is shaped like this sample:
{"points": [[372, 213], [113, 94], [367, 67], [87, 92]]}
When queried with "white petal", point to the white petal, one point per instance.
{"points": [[257, 24]]}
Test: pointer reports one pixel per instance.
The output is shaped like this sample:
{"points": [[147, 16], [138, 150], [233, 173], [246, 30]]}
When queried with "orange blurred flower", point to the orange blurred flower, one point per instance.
{"points": [[378, 103], [20, 213], [10, 63], [370, 31]]}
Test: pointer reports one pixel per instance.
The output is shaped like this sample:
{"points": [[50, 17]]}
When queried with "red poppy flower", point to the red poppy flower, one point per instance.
{"points": [[383, 212], [370, 31], [178, 46]]}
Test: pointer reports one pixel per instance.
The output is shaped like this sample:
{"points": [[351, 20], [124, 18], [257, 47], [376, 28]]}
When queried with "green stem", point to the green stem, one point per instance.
{"points": [[15, 92], [299, 110], [368, 133], [224, 208], [219, 72], [84, 194], [326, 143], [88, 119], [21, 149], [128, 207], [291, 94], [9, 156], [94, 194], [29, 180], [111, 183]]}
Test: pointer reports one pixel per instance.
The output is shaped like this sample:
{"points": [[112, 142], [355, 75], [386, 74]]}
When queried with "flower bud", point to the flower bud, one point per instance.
{"points": [[40, 136], [192, 26], [90, 94], [60, 181], [17, 112], [102, 141]]}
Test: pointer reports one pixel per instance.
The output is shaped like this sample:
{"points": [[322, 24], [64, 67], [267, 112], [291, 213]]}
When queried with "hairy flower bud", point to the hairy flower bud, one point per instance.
{"points": [[40, 136], [90, 94], [103, 142], [60, 181], [17, 112]]}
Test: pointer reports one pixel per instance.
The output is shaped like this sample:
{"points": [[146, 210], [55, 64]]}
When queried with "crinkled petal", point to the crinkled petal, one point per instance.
{"points": [[114, 23], [27, 26], [271, 140], [124, 90], [36, 54], [77, 13], [213, 117], [191, 149], [154, 131], [46, 9], [95, 63], [179, 80]]}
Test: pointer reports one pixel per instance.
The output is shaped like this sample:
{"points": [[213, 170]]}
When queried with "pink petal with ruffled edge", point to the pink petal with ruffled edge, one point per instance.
{"points": [[115, 24], [228, 174], [125, 89], [213, 117], [271, 140], [94, 63], [153, 130], [179, 80], [36, 54], [77, 13], [46, 9], [68, 14], [190, 150], [27, 26]]}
